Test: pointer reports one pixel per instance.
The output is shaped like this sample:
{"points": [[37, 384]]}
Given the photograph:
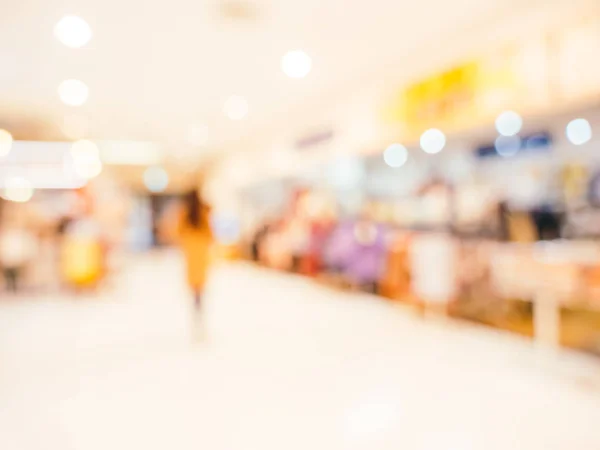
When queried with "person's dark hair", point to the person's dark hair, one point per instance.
{"points": [[194, 209]]}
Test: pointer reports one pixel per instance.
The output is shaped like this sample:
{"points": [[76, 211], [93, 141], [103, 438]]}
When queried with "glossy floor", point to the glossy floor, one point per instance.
{"points": [[285, 364]]}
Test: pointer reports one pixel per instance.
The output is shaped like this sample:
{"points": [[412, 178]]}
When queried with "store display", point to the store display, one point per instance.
{"points": [[83, 256], [395, 282], [433, 263], [459, 228]]}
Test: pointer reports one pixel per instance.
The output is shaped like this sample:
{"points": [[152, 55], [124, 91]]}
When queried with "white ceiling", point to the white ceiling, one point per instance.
{"points": [[154, 68]]}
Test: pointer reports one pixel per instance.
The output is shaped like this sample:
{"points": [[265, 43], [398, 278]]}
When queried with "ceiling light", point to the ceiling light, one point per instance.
{"points": [[509, 123], [6, 141], [17, 189], [197, 135], [433, 141], [395, 155], [84, 149], [73, 92], [296, 64], [73, 31], [156, 179], [87, 167], [131, 153], [86, 159], [236, 107], [579, 131]]}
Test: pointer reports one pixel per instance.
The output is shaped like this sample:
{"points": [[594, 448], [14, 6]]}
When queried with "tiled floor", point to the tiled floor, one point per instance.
{"points": [[286, 365]]}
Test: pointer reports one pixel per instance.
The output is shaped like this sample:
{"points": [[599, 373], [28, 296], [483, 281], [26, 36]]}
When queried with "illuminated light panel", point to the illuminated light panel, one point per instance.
{"points": [[85, 149], [86, 159], [6, 141], [87, 166], [130, 153], [17, 189]]}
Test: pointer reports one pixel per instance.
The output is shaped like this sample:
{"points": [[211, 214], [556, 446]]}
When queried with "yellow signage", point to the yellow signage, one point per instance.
{"points": [[437, 99], [458, 98]]}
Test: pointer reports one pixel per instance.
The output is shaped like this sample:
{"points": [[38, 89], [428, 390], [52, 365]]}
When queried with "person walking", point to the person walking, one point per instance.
{"points": [[195, 239]]}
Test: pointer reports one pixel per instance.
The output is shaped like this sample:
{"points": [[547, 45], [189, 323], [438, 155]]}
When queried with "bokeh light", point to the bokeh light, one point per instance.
{"points": [[347, 173], [73, 92], [296, 64], [236, 107], [156, 179], [17, 189], [395, 155], [433, 141], [507, 146], [6, 141], [88, 167], [86, 159], [579, 131], [509, 123], [73, 31]]}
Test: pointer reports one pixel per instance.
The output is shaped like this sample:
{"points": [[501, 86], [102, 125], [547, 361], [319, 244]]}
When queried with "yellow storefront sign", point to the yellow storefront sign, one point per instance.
{"points": [[458, 98], [437, 99]]}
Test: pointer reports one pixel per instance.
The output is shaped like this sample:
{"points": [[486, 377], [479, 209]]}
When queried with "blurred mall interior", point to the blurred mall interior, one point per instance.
{"points": [[260, 224]]}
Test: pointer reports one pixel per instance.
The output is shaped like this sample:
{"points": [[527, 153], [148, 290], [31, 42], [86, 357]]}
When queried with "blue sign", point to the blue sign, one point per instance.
{"points": [[515, 145]]}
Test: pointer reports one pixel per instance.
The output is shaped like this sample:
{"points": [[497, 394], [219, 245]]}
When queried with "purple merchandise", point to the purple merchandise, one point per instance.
{"points": [[369, 257], [358, 250], [340, 246]]}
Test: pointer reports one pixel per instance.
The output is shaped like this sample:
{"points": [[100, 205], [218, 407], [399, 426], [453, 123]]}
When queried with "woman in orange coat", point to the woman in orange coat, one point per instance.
{"points": [[195, 239]]}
